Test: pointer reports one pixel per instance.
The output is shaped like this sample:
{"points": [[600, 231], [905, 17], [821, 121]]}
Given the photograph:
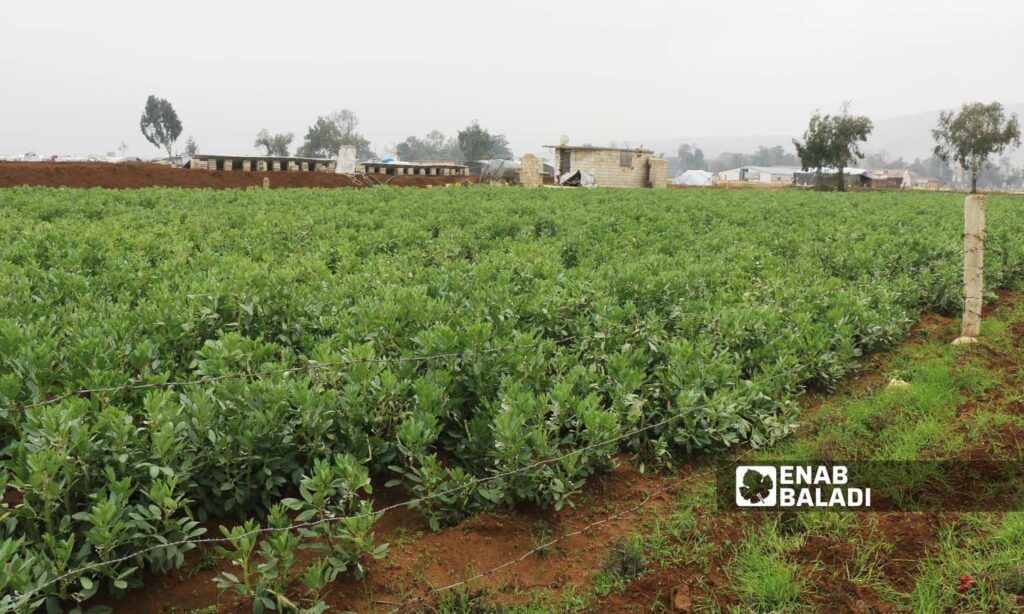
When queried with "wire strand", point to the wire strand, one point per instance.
{"points": [[384, 510], [559, 539], [316, 366]]}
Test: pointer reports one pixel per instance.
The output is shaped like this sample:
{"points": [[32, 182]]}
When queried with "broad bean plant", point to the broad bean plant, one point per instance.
{"points": [[435, 341]]}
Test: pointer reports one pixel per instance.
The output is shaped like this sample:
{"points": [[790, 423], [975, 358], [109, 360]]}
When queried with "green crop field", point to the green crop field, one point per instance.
{"points": [[171, 358]]}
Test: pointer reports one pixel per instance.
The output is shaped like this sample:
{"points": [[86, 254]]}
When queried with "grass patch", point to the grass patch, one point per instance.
{"points": [[626, 560], [762, 576], [979, 567]]}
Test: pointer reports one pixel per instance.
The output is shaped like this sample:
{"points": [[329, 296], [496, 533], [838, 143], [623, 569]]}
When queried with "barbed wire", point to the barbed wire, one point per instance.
{"points": [[311, 366], [320, 365], [332, 519], [650, 497]]}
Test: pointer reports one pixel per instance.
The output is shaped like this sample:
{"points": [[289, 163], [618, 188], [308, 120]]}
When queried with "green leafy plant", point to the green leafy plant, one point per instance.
{"points": [[339, 521], [436, 337]]}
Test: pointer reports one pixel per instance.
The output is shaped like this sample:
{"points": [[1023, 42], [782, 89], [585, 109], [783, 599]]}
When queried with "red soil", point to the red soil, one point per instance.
{"points": [[420, 559], [145, 175]]}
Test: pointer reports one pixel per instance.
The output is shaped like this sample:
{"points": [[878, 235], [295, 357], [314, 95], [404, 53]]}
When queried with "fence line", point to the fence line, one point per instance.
{"points": [[317, 366], [333, 519], [559, 539], [384, 510]]}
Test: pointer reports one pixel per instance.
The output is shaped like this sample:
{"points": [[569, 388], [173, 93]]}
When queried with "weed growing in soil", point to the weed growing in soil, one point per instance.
{"points": [[761, 573], [627, 559]]}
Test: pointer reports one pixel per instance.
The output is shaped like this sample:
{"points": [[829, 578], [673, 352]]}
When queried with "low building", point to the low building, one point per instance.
{"points": [[759, 174], [612, 167], [399, 167], [890, 179], [853, 177], [479, 168], [212, 162]]}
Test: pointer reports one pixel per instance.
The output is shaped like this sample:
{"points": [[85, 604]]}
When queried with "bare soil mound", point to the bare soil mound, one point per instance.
{"points": [[145, 175]]}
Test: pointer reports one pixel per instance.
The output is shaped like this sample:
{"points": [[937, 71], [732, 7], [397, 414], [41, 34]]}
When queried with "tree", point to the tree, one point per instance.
{"points": [[274, 144], [933, 166], [971, 136], [479, 144], [191, 147], [833, 141], [433, 146], [160, 124], [772, 156], [880, 160], [691, 158], [330, 132]]}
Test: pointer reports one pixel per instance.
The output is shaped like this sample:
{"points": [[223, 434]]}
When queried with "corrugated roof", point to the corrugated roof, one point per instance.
{"points": [[775, 170]]}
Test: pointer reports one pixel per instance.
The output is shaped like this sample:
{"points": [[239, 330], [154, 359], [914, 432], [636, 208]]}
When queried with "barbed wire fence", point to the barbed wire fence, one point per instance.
{"points": [[674, 486], [201, 541], [314, 366]]}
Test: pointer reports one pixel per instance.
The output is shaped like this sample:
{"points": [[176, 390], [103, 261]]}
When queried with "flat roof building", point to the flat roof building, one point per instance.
{"points": [[612, 167], [214, 162]]}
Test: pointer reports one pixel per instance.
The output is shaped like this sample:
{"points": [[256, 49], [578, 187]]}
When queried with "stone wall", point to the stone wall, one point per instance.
{"points": [[531, 172], [604, 164], [658, 173]]}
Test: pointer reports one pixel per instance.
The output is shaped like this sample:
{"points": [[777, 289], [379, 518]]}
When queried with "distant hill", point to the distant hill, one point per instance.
{"points": [[908, 136], [714, 145]]}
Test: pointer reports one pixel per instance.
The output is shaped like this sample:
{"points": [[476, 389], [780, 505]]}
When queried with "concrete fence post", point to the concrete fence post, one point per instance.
{"points": [[974, 267], [266, 183]]}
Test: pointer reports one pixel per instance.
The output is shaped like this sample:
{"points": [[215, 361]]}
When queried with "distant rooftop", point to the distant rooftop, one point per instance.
{"points": [[633, 149], [205, 156]]}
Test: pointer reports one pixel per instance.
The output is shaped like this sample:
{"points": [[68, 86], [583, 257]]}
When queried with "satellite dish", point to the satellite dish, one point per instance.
{"points": [[563, 140]]}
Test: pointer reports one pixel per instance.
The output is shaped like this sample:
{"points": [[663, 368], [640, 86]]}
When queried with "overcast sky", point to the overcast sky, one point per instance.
{"points": [[75, 75]]}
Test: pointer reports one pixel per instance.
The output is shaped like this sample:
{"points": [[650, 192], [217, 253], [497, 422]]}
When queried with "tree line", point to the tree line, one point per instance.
{"points": [[969, 138], [162, 127], [690, 157]]}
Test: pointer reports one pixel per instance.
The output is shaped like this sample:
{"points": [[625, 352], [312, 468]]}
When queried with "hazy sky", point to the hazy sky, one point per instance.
{"points": [[74, 75]]}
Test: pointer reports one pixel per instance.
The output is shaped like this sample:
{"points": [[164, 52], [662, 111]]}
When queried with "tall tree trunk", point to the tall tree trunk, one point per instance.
{"points": [[841, 180], [974, 181]]}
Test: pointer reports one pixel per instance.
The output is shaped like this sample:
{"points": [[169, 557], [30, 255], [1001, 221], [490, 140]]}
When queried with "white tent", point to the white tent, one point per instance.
{"points": [[693, 178]]}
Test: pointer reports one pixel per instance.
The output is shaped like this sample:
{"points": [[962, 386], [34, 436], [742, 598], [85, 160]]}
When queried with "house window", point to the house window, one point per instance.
{"points": [[625, 158]]}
